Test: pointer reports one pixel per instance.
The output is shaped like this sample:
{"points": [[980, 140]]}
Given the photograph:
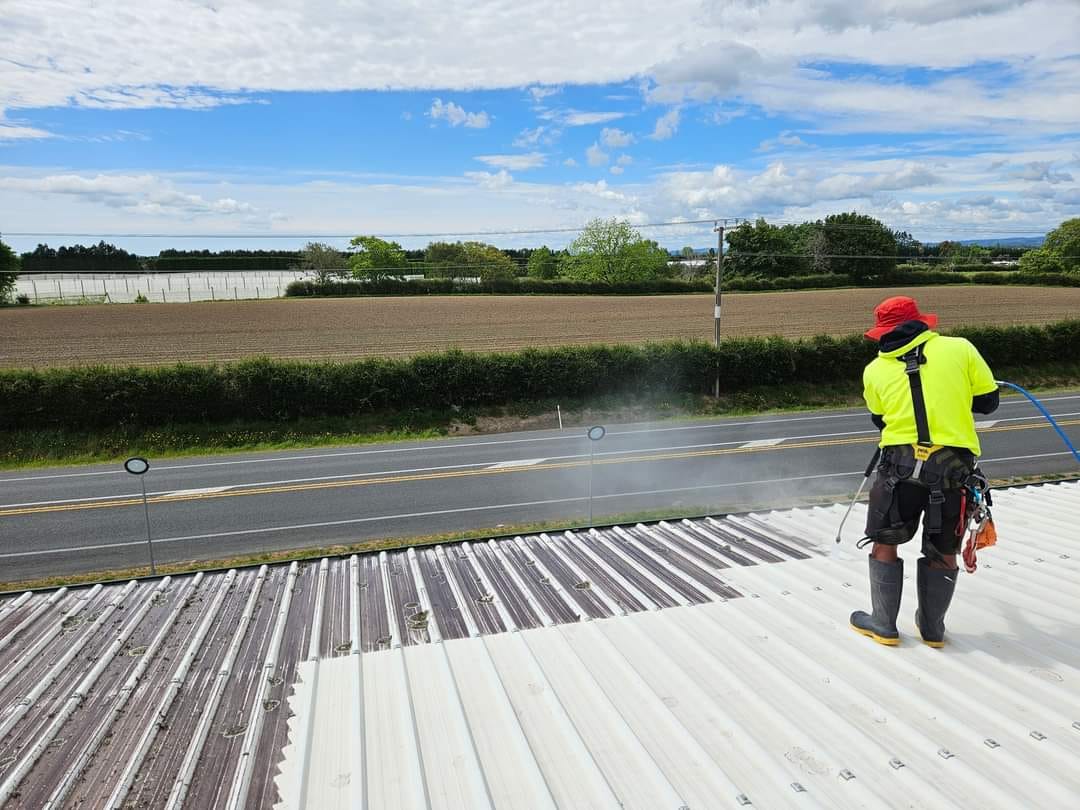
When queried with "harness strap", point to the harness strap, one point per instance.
{"points": [[912, 360]]}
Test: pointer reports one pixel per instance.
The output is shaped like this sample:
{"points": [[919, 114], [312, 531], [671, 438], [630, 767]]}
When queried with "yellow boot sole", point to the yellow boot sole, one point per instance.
{"points": [[937, 645], [888, 642]]}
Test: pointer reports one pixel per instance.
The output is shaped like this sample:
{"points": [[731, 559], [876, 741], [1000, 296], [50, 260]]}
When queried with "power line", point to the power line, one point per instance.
{"points": [[521, 232]]}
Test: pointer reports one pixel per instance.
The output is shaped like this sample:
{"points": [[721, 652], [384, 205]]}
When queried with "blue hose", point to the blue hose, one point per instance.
{"points": [[1045, 413]]}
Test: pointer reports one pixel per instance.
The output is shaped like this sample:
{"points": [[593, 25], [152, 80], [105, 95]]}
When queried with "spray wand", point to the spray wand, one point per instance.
{"points": [[1034, 401]]}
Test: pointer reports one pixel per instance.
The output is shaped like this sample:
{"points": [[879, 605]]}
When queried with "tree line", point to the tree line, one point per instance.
{"points": [[849, 246]]}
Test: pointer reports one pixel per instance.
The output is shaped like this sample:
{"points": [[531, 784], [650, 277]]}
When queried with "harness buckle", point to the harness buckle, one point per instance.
{"points": [[924, 451], [937, 496]]}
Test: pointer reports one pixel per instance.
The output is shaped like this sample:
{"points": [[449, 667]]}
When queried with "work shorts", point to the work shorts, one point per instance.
{"points": [[911, 502]]}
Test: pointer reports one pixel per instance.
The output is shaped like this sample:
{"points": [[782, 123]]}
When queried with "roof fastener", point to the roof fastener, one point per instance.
{"points": [[846, 775], [945, 753], [743, 800], [896, 764], [797, 787], [991, 743], [1038, 735]]}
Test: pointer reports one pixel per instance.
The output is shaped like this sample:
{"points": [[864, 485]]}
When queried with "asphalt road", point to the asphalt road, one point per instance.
{"points": [[73, 519]]}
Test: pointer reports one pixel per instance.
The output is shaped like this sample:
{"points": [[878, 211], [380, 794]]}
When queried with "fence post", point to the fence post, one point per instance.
{"points": [[59, 290], [34, 282], [163, 295], [212, 293]]}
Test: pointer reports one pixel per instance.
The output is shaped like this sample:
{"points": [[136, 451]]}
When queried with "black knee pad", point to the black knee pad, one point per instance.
{"points": [[891, 536]]}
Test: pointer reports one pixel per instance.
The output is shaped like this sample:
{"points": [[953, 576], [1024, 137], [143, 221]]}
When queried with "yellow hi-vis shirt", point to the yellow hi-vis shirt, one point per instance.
{"points": [[953, 374]]}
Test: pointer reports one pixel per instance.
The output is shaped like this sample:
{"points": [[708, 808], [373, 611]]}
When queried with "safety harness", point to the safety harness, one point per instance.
{"points": [[934, 466]]}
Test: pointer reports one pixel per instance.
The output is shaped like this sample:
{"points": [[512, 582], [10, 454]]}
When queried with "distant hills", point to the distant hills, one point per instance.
{"points": [[1012, 241]]}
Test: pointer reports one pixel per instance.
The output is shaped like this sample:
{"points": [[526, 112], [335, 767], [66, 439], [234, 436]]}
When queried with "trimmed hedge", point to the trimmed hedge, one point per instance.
{"points": [[902, 278], [519, 286], [532, 286], [97, 397]]}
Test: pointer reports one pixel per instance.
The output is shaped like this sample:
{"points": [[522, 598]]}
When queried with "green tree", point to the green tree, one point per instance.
{"points": [[376, 259], [9, 271], [488, 262], [1041, 260], [325, 261], [445, 259], [859, 246], [1064, 242], [612, 251], [766, 250], [543, 263]]}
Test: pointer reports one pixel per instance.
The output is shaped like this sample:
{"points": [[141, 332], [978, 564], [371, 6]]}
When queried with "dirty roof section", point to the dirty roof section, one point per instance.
{"points": [[688, 664]]}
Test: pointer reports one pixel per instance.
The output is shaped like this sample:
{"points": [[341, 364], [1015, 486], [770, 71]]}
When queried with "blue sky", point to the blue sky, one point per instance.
{"points": [[298, 119]]}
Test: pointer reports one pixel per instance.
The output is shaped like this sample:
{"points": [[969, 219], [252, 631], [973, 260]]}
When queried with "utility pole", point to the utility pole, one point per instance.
{"points": [[719, 228]]}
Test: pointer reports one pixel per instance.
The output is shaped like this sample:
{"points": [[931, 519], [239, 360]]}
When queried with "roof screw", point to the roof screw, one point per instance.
{"points": [[1064, 557], [743, 800], [797, 787], [785, 593], [847, 584], [1076, 725], [945, 753], [846, 775], [1038, 735], [991, 743], [1039, 559], [818, 588], [896, 764]]}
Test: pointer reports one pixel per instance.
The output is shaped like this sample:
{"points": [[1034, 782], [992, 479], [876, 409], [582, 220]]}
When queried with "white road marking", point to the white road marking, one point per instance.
{"points": [[986, 424], [566, 435], [198, 491], [764, 442], [521, 462]]}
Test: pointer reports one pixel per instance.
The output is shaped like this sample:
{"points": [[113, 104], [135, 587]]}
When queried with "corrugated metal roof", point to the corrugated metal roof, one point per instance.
{"points": [[687, 664]]}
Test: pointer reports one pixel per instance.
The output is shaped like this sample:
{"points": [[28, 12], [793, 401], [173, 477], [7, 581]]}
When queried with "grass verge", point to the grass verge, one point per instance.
{"points": [[39, 448]]}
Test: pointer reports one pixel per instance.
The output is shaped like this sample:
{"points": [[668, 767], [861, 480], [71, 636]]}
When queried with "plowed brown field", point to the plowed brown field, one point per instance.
{"points": [[358, 327]]}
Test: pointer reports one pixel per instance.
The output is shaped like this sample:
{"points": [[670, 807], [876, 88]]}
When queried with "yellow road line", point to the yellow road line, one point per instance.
{"points": [[435, 476]]}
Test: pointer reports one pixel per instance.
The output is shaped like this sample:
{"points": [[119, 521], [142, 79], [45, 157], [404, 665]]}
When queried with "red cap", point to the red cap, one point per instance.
{"points": [[894, 311]]}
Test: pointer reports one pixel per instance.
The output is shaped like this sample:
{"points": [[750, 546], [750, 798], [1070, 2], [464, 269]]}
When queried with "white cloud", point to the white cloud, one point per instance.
{"points": [[596, 156], [666, 125], [530, 160], [615, 138], [406, 116], [1041, 171], [624, 160], [141, 194], [574, 118], [500, 179], [14, 132], [570, 162], [783, 139], [704, 74], [540, 93], [457, 116], [616, 170], [755, 52], [541, 134]]}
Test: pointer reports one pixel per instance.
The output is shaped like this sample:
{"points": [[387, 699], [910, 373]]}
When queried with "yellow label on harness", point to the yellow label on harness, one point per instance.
{"points": [[922, 452]]}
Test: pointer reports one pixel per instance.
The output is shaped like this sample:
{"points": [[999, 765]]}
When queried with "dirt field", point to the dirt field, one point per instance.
{"points": [[357, 327]]}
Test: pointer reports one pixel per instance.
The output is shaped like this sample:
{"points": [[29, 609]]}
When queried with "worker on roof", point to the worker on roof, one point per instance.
{"points": [[921, 390]]}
